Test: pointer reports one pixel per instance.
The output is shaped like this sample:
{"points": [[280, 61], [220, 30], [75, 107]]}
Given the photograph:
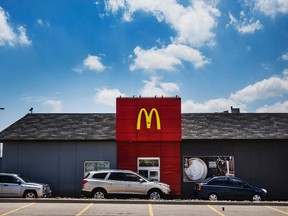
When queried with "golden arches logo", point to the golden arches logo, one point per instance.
{"points": [[148, 118]]}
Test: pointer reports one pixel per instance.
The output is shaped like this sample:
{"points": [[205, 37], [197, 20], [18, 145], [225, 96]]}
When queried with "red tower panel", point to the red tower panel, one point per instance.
{"points": [[150, 127], [148, 119], [168, 152]]}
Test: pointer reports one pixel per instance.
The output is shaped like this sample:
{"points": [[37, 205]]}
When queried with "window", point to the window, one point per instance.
{"points": [[95, 166], [100, 175], [149, 168], [236, 183], [219, 181], [117, 176], [132, 178], [8, 179]]}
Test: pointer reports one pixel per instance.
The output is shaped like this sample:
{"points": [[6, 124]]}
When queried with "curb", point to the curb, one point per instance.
{"points": [[136, 201]]}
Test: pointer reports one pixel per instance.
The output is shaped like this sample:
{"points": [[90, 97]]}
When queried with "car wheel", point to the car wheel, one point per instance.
{"points": [[30, 194], [213, 197], [256, 197], [99, 194], [155, 195]]}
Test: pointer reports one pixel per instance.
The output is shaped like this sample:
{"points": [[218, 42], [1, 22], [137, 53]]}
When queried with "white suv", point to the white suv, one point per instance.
{"points": [[100, 184], [14, 185]]}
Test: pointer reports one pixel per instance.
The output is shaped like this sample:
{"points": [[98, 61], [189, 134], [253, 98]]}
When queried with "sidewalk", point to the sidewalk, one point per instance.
{"points": [[143, 201]]}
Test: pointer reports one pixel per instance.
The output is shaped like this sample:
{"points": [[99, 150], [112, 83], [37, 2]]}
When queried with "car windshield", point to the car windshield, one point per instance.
{"points": [[24, 178], [146, 179]]}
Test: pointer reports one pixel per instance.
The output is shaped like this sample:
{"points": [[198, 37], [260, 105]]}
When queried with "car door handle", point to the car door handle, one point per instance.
{"points": [[5, 185]]}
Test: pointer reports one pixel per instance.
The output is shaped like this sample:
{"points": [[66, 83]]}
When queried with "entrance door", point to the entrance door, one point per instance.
{"points": [[149, 168]]}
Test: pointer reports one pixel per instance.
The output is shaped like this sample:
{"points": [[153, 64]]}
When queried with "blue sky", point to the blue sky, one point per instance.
{"points": [[78, 56]]}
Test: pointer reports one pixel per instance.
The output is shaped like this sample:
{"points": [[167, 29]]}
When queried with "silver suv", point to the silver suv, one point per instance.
{"points": [[15, 185], [100, 184]]}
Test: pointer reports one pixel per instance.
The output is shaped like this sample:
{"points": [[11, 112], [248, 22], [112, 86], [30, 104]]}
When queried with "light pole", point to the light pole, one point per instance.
{"points": [[1, 108]]}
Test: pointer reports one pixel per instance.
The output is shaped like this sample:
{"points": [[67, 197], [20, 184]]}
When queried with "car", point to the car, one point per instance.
{"points": [[101, 184], [228, 188], [15, 185]]}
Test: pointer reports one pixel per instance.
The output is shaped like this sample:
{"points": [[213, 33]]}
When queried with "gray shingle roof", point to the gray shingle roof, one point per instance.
{"points": [[62, 127], [103, 126], [235, 126]]}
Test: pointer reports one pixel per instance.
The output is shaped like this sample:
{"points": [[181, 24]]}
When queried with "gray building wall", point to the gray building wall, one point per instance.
{"points": [[259, 162], [58, 163]]}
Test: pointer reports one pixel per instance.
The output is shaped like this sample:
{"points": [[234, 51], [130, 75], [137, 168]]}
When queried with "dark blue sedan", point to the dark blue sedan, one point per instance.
{"points": [[228, 188]]}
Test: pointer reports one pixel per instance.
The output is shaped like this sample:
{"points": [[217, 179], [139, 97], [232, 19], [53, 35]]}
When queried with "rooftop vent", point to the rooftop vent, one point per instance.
{"points": [[235, 110]]}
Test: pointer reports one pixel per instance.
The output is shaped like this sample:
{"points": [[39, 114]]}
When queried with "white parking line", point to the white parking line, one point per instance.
{"points": [[84, 210], [18, 209], [286, 213], [151, 213], [215, 210]]}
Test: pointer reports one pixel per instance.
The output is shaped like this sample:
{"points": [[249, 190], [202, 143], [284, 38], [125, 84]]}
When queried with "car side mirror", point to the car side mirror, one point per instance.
{"points": [[18, 182], [141, 180]]}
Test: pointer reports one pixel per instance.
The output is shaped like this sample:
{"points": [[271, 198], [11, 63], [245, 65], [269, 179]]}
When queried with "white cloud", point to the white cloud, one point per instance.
{"points": [[7, 34], [42, 23], [267, 88], [114, 5], [211, 106], [244, 25], [154, 87], [272, 87], [272, 7], [55, 105], [167, 58], [23, 39], [194, 24], [284, 57], [92, 63], [278, 107], [108, 96]]}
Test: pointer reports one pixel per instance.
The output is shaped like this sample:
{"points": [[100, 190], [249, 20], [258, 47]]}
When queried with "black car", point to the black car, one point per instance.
{"points": [[228, 188]]}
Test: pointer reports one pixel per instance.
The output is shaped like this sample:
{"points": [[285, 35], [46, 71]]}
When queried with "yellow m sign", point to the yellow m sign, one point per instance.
{"points": [[148, 118]]}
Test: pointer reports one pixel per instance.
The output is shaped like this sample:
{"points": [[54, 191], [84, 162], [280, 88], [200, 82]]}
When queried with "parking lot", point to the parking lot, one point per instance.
{"points": [[147, 208]]}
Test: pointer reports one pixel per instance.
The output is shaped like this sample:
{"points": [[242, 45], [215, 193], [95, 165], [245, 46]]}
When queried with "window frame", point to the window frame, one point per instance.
{"points": [[149, 169]]}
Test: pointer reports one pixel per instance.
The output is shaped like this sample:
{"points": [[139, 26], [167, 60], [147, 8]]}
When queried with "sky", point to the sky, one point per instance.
{"points": [[78, 56]]}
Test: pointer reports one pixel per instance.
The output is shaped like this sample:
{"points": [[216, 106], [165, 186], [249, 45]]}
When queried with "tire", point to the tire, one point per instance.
{"points": [[213, 197], [99, 194], [155, 194], [256, 197], [30, 194]]}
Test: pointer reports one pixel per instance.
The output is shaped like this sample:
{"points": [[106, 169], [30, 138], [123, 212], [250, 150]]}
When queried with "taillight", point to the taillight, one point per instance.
{"points": [[198, 187], [84, 181]]}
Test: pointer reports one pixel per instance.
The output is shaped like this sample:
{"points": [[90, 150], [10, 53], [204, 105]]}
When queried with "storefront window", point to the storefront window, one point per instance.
{"points": [[150, 168], [95, 166]]}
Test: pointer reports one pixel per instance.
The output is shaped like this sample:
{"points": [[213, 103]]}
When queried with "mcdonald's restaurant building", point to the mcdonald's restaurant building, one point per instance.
{"points": [[150, 136]]}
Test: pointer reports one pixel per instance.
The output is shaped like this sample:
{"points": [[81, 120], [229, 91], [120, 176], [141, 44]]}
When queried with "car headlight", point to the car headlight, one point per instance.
{"points": [[264, 190], [165, 186]]}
